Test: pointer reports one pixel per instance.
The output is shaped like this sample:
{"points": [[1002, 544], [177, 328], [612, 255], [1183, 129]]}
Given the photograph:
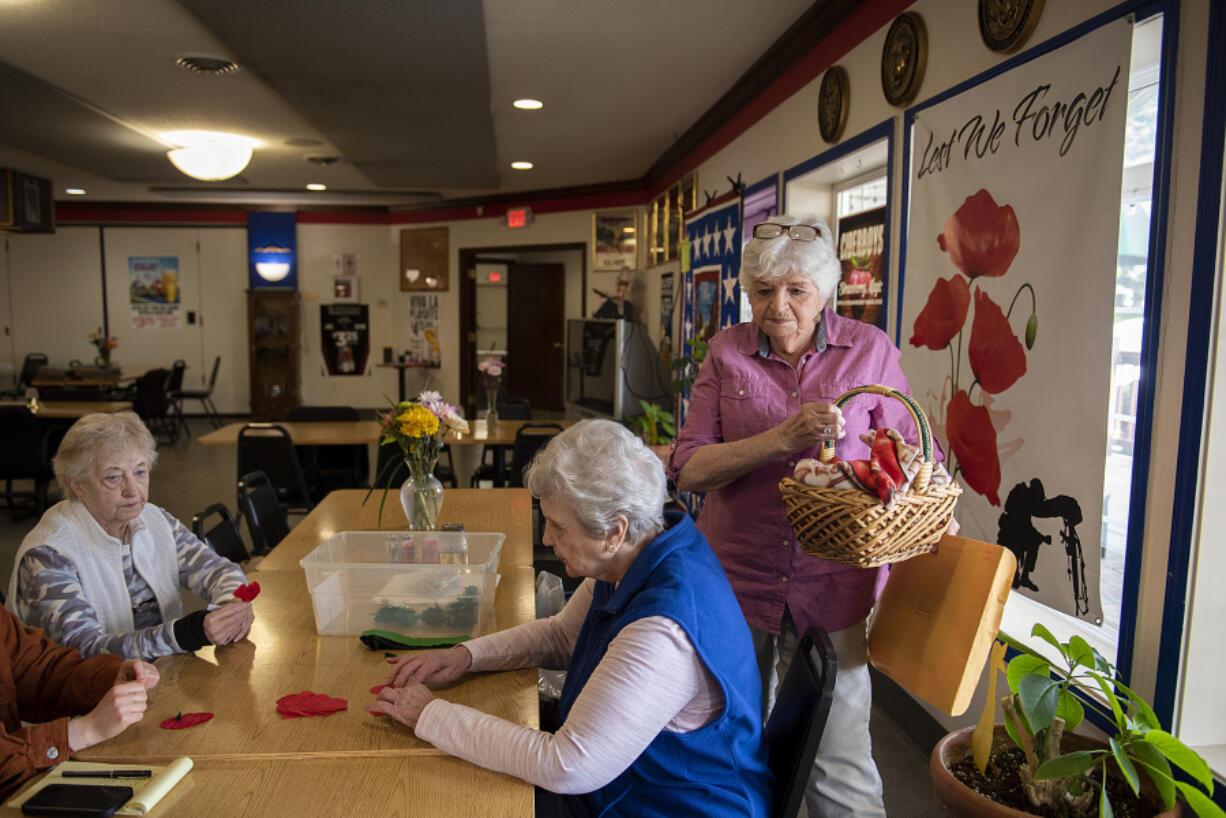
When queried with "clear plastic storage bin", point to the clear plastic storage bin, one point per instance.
{"points": [[395, 581]]}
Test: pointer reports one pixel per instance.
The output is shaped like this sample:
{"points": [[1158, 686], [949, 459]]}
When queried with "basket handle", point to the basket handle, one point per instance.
{"points": [[917, 415]]}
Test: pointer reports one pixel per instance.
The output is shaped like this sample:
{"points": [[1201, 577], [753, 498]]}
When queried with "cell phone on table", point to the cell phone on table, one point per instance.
{"points": [[77, 799]]}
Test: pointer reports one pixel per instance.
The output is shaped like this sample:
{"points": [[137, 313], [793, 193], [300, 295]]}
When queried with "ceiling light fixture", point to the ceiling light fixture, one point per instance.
{"points": [[316, 186], [522, 165], [528, 104], [75, 191], [209, 155]]}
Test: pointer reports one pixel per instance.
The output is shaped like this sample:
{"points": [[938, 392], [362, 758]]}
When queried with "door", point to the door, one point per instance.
{"points": [[536, 326]]}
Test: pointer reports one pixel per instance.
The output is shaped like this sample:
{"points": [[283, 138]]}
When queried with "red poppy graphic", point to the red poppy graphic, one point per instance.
{"points": [[944, 314], [973, 440], [981, 237], [185, 720], [996, 356], [247, 592]]}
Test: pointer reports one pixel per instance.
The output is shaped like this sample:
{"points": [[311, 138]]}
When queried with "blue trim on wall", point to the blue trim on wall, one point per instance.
{"points": [[1195, 371], [772, 180], [882, 130], [1141, 9]]}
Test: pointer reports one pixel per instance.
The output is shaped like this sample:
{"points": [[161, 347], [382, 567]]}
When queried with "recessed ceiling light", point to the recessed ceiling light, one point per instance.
{"points": [[528, 104], [522, 165], [75, 191], [316, 186]]}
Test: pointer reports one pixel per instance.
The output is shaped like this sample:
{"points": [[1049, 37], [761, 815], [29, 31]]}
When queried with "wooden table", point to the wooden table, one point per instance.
{"points": [[304, 433], [251, 761], [72, 409]]}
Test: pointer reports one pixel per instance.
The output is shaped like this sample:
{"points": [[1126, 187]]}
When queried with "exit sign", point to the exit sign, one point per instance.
{"points": [[519, 217]]}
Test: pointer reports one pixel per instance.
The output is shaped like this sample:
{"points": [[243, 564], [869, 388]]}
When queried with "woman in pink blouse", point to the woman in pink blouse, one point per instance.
{"points": [[762, 401]]}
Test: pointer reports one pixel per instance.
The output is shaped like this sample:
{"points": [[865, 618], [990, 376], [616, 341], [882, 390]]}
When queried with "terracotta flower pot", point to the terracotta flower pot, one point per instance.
{"points": [[960, 801]]}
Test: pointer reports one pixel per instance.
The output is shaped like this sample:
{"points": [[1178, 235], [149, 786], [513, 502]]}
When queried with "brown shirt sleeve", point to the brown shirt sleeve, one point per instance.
{"points": [[42, 682]]}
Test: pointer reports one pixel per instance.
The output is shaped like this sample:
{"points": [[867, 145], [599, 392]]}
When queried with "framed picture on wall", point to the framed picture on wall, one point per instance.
{"points": [[423, 259], [345, 289], [615, 242]]}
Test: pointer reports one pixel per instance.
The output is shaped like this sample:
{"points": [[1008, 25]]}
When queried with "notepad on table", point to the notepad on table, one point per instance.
{"points": [[146, 792]]}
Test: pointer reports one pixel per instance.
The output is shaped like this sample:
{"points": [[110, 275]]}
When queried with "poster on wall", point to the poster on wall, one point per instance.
{"points": [[423, 330], [667, 297], [153, 292], [346, 337], [1008, 300], [861, 246]]}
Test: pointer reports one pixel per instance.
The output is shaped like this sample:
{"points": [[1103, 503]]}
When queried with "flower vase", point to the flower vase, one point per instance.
{"points": [[491, 406], [421, 495], [103, 361]]}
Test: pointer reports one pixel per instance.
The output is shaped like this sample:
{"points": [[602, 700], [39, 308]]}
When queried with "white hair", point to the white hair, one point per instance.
{"points": [[766, 259], [601, 470], [96, 435]]}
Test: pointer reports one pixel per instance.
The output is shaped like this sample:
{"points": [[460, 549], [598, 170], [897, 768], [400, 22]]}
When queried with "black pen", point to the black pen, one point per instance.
{"points": [[107, 773]]}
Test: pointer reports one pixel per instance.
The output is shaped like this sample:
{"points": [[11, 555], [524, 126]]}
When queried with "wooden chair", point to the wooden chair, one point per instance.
{"points": [[794, 729], [222, 537], [268, 448], [257, 501]]}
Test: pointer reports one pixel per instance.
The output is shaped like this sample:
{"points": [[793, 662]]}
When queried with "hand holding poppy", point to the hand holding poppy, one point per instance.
{"points": [[430, 667], [404, 704], [229, 623], [121, 706], [807, 428], [247, 592]]}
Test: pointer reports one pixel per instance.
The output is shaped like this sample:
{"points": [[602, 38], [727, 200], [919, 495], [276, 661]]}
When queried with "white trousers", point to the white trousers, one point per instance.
{"points": [[844, 781]]}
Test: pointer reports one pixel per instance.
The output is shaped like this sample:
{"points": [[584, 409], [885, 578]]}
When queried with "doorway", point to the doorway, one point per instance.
{"points": [[520, 317]]}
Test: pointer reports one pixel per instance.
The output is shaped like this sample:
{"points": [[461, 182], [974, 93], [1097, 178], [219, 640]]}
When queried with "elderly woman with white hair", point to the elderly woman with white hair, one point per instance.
{"points": [[763, 399], [103, 569], [660, 708]]}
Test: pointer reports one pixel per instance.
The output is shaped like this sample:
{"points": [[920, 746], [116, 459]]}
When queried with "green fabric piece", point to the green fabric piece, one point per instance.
{"points": [[390, 640]]}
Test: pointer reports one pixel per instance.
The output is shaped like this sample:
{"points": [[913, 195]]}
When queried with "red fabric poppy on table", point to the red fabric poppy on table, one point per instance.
{"points": [[996, 356], [306, 703], [973, 439], [185, 720], [944, 314], [247, 592], [981, 237]]}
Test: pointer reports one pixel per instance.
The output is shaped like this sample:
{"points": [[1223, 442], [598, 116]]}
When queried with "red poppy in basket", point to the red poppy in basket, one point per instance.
{"points": [[981, 237], [973, 439], [944, 314], [996, 356]]}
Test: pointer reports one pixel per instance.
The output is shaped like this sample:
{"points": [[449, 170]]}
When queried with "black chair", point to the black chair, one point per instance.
{"points": [[794, 729], [174, 385], [153, 404], [257, 502], [223, 537], [204, 396], [269, 448], [512, 407], [29, 370], [328, 468], [529, 439], [24, 441]]}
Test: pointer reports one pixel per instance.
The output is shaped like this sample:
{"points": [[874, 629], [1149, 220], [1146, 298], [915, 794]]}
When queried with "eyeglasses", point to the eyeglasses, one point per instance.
{"points": [[796, 232]]}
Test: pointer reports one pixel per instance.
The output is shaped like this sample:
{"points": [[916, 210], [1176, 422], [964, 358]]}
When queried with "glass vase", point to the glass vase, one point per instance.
{"points": [[491, 406], [421, 495]]}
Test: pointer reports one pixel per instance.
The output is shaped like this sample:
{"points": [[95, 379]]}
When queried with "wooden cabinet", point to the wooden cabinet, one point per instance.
{"points": [[273, 335]]}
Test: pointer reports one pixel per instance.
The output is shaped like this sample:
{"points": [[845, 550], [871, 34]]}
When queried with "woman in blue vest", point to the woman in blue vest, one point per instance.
{"points": [[661, 714]]}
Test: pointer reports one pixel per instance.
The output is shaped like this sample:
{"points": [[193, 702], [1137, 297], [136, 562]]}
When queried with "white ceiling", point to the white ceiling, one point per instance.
{"points": [[414, 95]]}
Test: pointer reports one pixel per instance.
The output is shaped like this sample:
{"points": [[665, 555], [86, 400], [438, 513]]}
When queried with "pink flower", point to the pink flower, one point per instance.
{"points": [[491, 366]]}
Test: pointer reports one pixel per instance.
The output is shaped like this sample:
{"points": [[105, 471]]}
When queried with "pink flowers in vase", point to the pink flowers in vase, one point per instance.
{"points": [[491, 370]]}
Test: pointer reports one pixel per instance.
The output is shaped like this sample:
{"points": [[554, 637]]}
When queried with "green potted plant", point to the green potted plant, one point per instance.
{"points": [[656, 426], [1055, 772]]}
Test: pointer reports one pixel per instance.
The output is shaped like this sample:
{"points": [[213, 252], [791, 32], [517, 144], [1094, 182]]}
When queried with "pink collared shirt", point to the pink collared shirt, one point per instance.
{"points": [[743, 389]]}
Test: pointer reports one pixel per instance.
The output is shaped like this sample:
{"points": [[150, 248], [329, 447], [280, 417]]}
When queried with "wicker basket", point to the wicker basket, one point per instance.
{"points": [[853, 527]]}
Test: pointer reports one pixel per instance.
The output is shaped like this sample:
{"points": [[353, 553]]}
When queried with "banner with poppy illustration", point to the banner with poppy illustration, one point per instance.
{"points": [[1007, 299]]}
